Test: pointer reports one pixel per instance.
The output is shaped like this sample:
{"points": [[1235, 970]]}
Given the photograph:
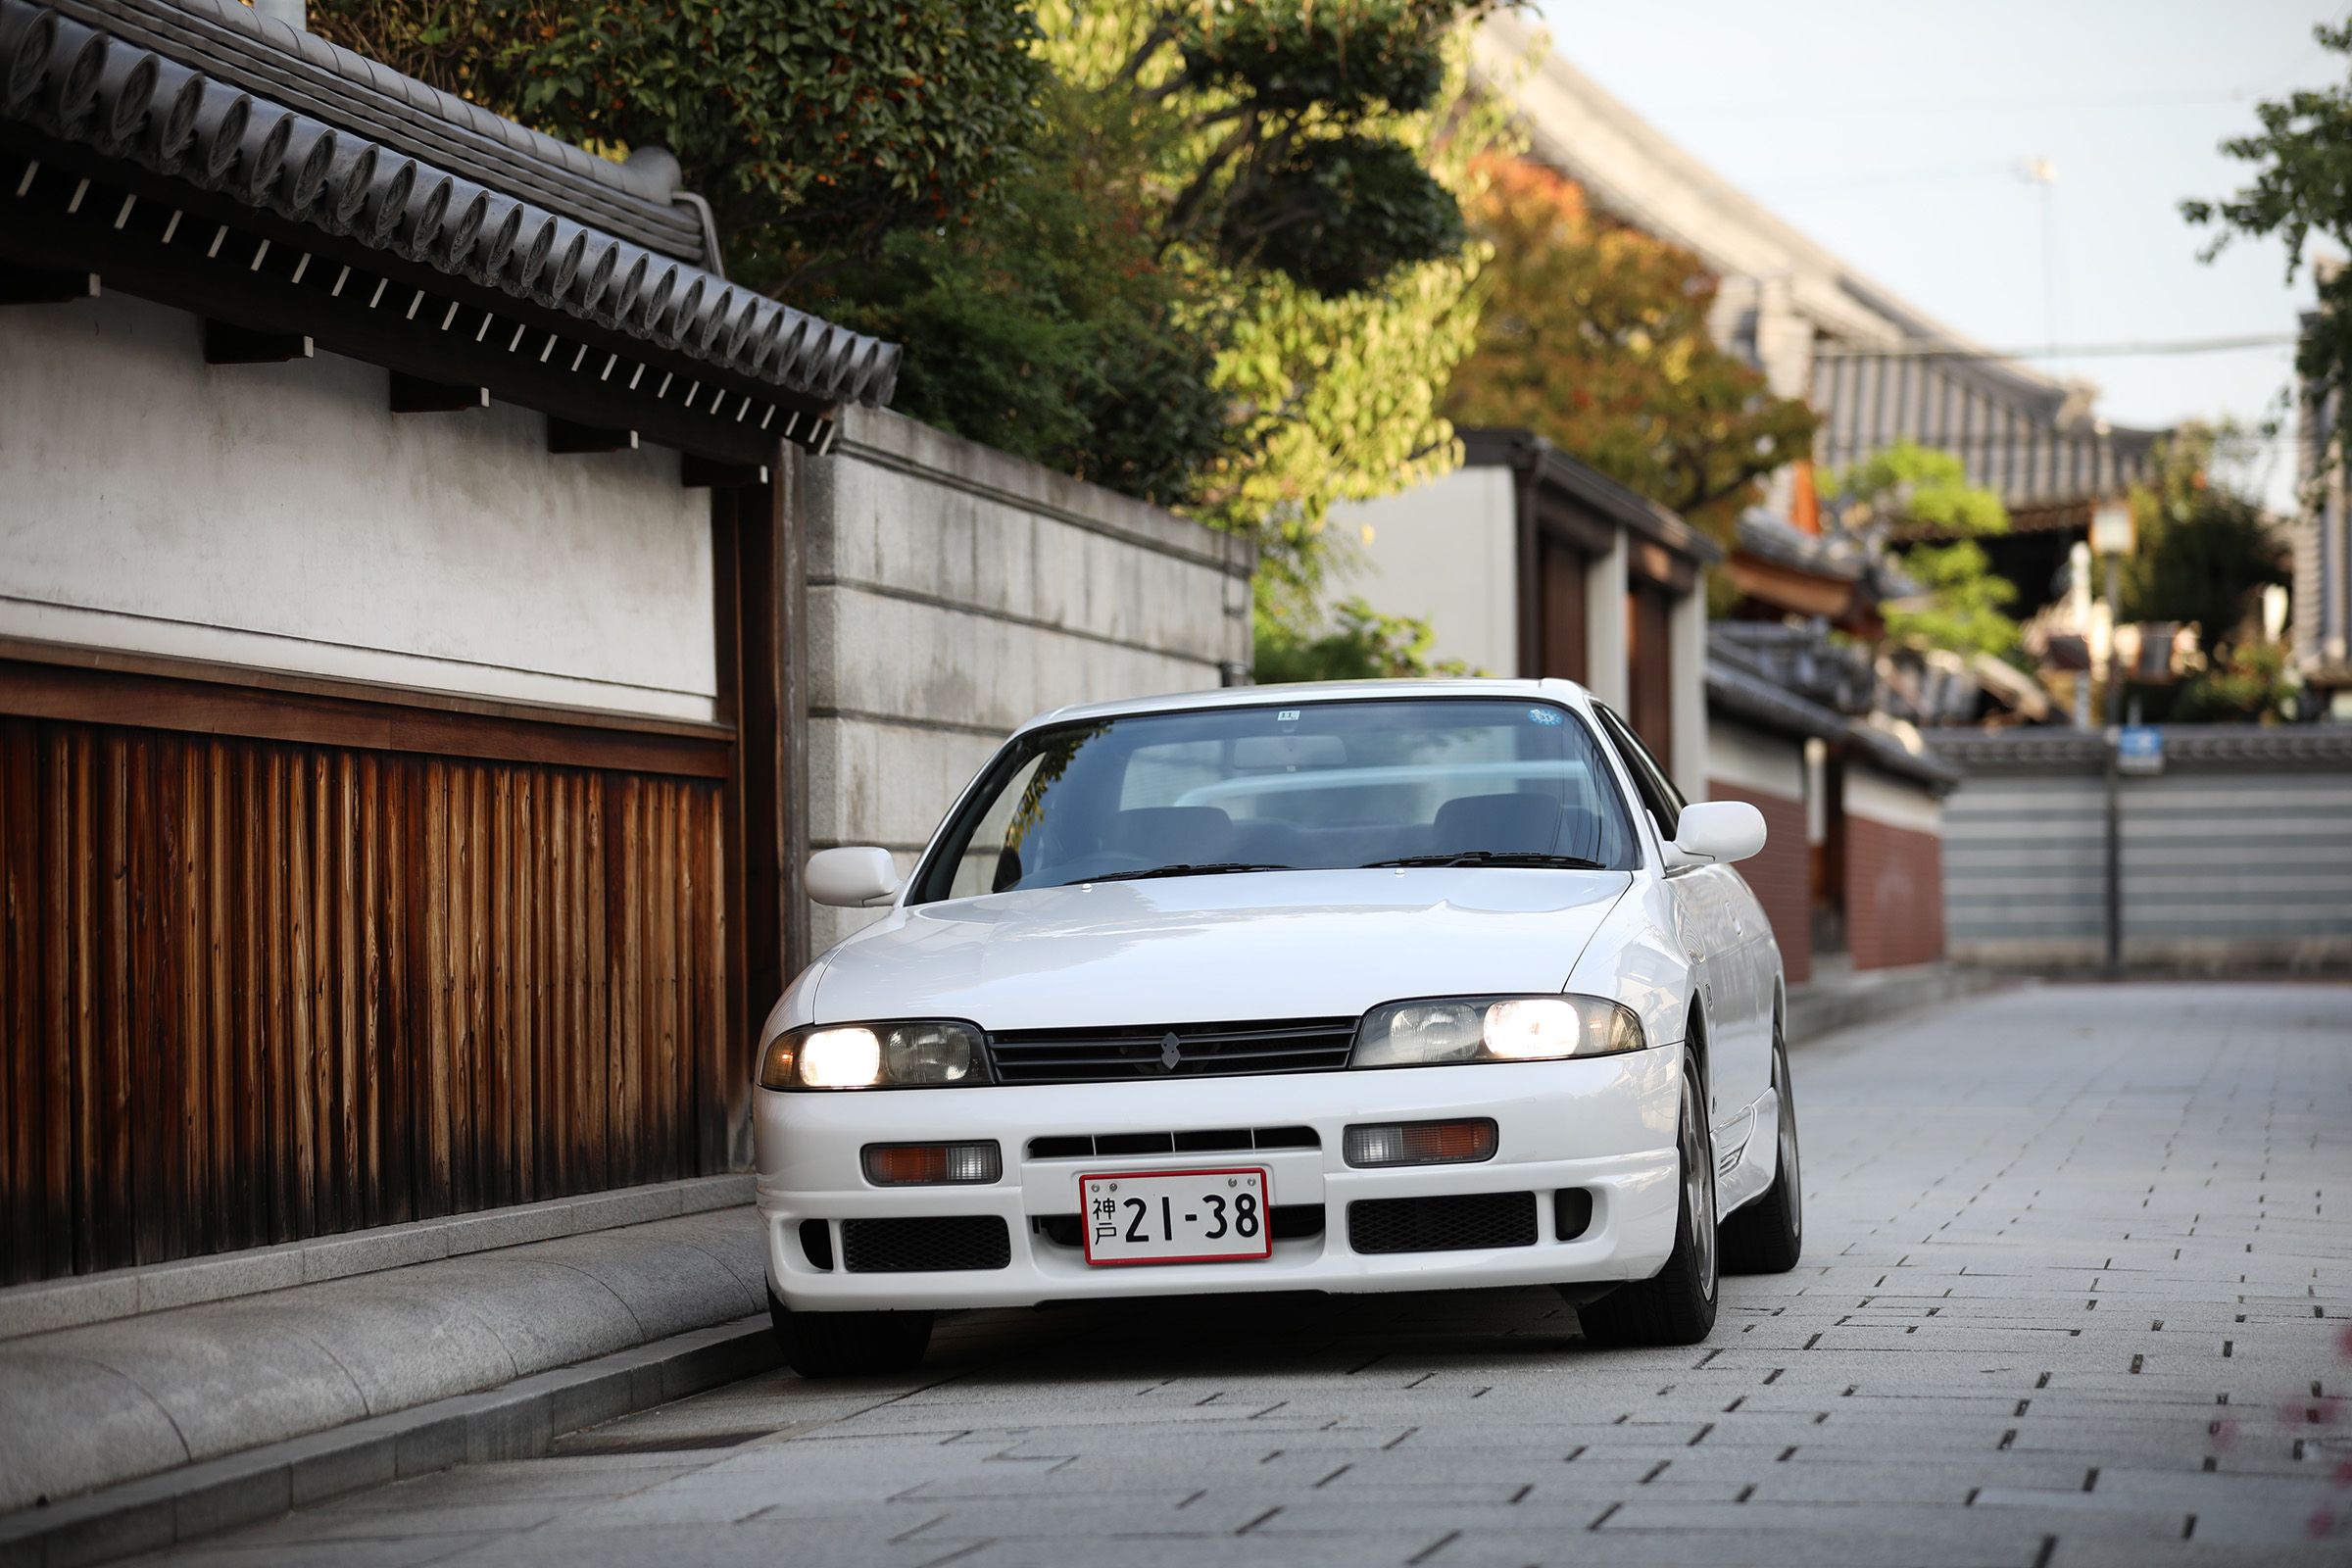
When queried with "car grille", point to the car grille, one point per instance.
{"points": [[1213, 1141], [1442, 1224], [1171, 1051], [941, 1245]]}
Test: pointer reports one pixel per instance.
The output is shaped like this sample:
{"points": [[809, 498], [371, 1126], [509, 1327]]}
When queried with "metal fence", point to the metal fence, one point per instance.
{"points": [[2236, 855]]}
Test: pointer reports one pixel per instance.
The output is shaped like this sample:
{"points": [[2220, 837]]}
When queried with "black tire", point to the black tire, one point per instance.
{"points": [[1677, 1305], [849, 1344], [1767, 1235]]}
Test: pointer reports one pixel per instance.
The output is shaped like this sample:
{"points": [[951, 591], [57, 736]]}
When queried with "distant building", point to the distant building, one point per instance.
{"points": [[2320, 627], [1878, 368]]}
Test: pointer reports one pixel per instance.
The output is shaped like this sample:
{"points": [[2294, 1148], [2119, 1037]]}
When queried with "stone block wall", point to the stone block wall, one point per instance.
{"points": [[954, 592]]}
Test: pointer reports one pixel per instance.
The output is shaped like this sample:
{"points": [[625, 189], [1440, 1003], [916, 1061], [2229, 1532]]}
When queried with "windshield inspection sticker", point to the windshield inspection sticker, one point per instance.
{"points": [[1544, 716], [1288, 715]]}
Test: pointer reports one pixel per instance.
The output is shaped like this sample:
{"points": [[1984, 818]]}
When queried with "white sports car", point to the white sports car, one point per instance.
{"points": [[1382, 986]]}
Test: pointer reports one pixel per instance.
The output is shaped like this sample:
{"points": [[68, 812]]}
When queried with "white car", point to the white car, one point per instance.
{"points": [[1375, 986]]}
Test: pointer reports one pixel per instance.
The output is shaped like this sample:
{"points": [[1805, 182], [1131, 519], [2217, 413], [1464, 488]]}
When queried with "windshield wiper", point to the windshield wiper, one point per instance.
{"points": [[1209, 869], [1566, 863]]}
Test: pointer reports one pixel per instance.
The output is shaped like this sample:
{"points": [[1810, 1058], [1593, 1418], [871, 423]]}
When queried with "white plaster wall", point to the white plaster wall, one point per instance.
{"points": [[1605, 674], [1895, 801], [954, 592], [1769, 764], [282, 516], [1445, 553]]}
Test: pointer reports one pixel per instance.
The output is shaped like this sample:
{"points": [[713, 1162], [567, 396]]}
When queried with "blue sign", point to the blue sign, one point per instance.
{"points": [[2140, 749]]}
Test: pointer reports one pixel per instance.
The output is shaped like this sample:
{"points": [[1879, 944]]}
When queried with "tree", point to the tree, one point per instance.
{"points": [[2303, 175], [1303, 162], [1594, 335], [1361, 644], [1962, 605], [813, 130], [2201, 552]]}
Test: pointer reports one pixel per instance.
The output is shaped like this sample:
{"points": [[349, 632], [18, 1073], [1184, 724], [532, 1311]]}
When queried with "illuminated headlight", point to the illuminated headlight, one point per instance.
{"points": [[923, 1054], [1435, 1033]]}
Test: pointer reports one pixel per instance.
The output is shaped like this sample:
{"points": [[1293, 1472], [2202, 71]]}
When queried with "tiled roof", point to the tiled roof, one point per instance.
{"points": [[208, 93]]}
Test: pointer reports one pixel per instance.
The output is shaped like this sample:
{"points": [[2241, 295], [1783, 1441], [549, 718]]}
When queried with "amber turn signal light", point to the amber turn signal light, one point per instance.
{"points": [[1421, 1143]]}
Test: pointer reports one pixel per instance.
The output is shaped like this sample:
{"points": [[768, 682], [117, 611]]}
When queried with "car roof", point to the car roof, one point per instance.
{"points": [[1328, 691]]}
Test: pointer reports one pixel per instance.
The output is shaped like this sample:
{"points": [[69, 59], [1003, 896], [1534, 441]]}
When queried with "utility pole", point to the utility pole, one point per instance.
{"points": [[2111, 537]]}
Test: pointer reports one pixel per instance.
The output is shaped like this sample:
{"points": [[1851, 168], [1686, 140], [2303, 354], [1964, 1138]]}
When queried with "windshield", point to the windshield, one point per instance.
{"points": [[1320, 785]]}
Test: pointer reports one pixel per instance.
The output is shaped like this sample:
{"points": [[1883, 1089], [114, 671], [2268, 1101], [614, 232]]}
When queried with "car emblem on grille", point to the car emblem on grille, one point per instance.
{"points": [[1169, 1055]]}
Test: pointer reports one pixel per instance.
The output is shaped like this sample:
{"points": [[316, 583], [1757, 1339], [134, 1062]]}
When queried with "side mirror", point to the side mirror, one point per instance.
{"points": [[1716, 832], [853, 878]]}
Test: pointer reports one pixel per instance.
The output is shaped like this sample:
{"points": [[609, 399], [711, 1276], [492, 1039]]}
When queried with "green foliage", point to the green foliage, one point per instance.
{"points": [[1329, 397], [2302, 159], [1299, 54], [1594, 335], [1962, 605], [2201, 553], [815, 131], [1342, 213], [1208, 252], [1363, 644]]}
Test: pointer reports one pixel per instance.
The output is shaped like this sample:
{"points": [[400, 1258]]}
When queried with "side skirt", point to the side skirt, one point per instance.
{"points": [[1748, 1153]]}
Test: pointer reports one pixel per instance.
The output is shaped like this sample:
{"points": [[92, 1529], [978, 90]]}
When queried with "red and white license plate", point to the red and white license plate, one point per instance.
{"points": [[1177, 1216]]}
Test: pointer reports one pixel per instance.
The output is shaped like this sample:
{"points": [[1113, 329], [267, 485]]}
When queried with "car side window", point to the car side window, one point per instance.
{"points": [[1660, 796]]}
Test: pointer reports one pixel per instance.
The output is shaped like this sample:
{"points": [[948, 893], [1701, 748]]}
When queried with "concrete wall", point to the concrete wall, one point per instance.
{"points": [[282, 516], [1768, 771], [954, 592], [1445, 553], [2238, 857]]}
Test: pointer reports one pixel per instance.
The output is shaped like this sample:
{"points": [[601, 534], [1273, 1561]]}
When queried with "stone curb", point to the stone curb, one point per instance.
{"points": [[51, 1304], [519, 1421], [1815, 1010]]}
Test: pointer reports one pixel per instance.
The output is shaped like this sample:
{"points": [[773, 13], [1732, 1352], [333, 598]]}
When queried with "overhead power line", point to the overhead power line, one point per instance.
{"points": [[2144, 347]]}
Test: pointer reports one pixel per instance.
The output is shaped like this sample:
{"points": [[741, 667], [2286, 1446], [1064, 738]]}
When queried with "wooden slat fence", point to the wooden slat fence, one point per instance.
{"points": [[251, 992]]}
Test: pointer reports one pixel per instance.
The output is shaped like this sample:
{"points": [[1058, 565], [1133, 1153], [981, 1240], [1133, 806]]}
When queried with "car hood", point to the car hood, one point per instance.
{"points": [[1215, 948]]}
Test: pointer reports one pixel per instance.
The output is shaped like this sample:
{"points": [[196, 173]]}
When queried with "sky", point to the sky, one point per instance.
{"points": [[1897, 134]]}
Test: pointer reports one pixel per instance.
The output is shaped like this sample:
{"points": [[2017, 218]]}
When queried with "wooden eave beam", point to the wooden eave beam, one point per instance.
{"points": [[413, 394], [565, 438], [700, 473], [228, 343], [21, 284]]}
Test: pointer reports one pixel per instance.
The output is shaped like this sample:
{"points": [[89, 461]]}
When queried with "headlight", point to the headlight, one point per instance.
{"points": [[923, 1054], [1430, 1034]]}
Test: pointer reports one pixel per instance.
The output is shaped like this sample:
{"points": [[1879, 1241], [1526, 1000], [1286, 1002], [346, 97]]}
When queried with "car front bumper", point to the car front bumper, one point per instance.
{"points": [[1604, 1126]]}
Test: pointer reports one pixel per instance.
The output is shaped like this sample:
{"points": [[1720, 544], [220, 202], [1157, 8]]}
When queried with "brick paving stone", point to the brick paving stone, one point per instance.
{"points": [[2075, 1294]]}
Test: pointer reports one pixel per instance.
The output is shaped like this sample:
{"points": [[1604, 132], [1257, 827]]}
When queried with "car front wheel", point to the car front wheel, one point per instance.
{"points": [[1768, 1235], [1677, 1305], [848, 1345]]}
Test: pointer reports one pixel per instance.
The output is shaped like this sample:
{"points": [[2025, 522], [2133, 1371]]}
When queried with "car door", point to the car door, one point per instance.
{"points": [[1716, 904]]}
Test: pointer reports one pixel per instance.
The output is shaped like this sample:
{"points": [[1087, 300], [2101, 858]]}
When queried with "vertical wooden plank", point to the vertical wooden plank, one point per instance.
{"points": [[220, 1001], [727, 1054], [115, 998], [437, 995], [402, 1029], [625, 962], [302, 1062], [662, 943], [350, 980], [521, 982], [474, 1145], [276, 1006], [498, 990], [69, 1058], [546, 1089], [24, 1108], [250, 1012], [370, 827], [189, 990]]}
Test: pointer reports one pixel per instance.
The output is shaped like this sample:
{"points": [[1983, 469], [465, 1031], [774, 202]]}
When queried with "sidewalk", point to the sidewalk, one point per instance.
{"points": [[118, 1398]]}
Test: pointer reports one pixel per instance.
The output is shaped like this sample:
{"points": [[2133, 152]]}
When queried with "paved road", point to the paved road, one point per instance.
{"points": [[2079, 1290]]}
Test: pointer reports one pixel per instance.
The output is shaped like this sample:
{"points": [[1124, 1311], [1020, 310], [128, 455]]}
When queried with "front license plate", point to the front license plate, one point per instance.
{"points": [[1177, 1216]]}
